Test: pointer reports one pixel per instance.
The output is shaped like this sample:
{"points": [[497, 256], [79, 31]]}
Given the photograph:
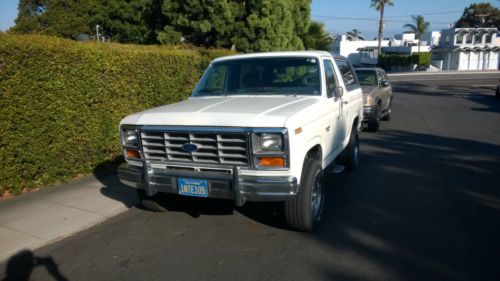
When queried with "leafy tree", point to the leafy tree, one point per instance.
{"points": [[379, 5], [479, 15], [252, 25], [29, 14], [201, 22], [169, 36], [269, 26], [124, 21], [317, 38], [420, 26]]}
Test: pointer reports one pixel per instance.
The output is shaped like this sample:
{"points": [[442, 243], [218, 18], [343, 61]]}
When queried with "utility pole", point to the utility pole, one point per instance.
{"points": [[97, 32]]}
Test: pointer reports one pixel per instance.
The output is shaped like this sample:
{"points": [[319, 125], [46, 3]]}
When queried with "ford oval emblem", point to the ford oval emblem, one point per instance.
{"points": [[189, 147]]}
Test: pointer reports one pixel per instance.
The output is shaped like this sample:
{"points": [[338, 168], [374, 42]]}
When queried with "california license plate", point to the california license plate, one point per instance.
{"points": [[191, 187]]}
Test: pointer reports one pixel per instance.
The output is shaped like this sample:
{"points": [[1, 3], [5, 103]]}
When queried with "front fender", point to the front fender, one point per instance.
{"points": [[299, 155]]}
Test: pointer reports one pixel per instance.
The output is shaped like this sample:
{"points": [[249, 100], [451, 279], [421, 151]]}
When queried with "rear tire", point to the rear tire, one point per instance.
{"points": [[351, 156], [303, 212]]}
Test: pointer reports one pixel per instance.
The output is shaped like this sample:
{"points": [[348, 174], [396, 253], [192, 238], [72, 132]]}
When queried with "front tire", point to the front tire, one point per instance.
{"points": [[374, 121], [303, 212], [387, 116]]}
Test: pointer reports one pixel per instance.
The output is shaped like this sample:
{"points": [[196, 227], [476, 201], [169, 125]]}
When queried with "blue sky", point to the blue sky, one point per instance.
{"points": [[439, 13], [338, 15]]}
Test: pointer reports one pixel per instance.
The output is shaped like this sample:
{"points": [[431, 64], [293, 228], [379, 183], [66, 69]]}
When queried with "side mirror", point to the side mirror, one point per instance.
{"points": [[384, 83], [338, 92]]}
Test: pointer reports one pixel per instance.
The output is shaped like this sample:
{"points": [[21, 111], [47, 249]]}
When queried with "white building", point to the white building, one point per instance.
{"points": [[363, 52], [432, 38], [467, 49], [358, 51]]}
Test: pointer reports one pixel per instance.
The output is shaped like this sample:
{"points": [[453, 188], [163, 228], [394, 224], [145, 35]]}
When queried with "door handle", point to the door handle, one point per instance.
{"points": [[345, 102]]}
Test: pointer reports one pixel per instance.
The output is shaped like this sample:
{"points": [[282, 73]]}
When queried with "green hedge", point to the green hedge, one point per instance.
{"points": [[393, 62], [61, 101]]}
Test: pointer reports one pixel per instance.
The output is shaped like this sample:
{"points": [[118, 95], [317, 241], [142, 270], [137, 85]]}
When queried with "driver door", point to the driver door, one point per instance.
{"points": [[337, 120]]}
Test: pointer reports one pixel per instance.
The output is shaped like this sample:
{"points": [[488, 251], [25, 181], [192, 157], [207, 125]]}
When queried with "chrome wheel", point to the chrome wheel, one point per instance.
{"points": [[317, 197]]}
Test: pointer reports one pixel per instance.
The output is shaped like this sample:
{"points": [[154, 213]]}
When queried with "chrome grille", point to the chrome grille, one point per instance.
{"points": [[213, 148]]}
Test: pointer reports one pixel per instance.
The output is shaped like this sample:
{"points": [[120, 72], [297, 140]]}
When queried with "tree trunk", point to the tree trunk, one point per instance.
{"points": [[380, 29]]}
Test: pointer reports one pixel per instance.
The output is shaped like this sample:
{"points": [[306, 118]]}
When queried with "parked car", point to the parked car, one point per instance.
{"points": [[377, 96], [497, 93], [258, 127]]}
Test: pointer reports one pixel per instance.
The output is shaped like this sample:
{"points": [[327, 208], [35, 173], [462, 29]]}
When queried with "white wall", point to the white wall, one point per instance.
{"points": [[349, 49]]}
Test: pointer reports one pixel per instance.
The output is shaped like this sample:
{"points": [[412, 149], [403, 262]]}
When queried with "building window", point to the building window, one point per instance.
{"points": [[489, 38], [469, 39], [460, 39], [447, 39]]}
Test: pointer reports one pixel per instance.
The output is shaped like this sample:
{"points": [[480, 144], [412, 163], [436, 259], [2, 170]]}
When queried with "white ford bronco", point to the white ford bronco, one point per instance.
{"points": [[258, 127]]}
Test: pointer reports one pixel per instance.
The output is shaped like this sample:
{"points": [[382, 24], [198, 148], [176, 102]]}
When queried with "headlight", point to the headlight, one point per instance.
{"points": [[270, 142], [270, 150], [130, 138], [368, 100]]}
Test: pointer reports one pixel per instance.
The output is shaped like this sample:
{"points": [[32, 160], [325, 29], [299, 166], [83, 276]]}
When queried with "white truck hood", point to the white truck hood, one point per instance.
{"points": [[231, 111]]}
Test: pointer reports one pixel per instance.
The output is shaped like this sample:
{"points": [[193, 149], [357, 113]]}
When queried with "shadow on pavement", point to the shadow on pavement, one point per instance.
{"points": [[482, 95], [195, 207], [106, 174], [21, 265], [420, 207]]}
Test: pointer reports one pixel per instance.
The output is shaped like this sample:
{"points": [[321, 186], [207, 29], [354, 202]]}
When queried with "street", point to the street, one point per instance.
{"points": [[424, 204]]}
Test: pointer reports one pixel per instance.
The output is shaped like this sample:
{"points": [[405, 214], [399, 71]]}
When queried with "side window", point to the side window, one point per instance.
{"points": [[380, 77], [331, 82], [347, 73], [386, 78]]}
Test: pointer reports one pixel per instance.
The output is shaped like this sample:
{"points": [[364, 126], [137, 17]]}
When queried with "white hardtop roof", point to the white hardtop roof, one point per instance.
{"points": [[315, 54]]}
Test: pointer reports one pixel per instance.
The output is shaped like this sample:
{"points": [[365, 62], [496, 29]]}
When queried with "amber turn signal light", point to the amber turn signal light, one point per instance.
{"points": [[133, 154], [272, 162]]}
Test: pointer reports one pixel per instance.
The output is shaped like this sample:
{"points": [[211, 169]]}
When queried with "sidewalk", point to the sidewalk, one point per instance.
{"points": [[36, 219], [443, 72]]}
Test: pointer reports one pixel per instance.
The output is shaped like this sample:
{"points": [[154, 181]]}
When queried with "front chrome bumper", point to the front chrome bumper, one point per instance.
{"points": [[224, 184], [369, 112]]}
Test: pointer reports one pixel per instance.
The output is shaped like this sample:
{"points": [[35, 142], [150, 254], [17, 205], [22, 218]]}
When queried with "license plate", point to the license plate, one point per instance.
{"points": [[190, 187]]}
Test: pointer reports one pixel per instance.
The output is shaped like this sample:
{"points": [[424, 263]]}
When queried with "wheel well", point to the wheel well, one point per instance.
{"points": [[315, 153], [355, 124]]}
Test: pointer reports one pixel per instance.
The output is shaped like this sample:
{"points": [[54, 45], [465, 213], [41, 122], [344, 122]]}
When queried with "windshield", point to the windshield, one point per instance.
{"points": [[367, 77], [261, 76]]}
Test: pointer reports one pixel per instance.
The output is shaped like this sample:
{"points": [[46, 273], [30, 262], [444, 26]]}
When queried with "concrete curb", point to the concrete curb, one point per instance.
{"points": [[433, 73], [39, 218]]}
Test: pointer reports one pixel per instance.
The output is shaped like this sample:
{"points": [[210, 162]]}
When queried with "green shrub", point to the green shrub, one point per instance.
{"points": [[421, 58], [61, 101], [392, 62]]}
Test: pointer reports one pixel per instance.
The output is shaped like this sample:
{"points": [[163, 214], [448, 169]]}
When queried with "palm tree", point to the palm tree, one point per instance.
{"points": [[379, 5], [420, 27]]}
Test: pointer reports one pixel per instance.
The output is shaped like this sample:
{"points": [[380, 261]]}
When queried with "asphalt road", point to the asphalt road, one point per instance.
{"points": [[423, 205]]}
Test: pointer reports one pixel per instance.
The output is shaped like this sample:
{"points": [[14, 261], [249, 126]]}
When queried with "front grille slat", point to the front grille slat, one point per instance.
{"points": [[213, 147]]}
